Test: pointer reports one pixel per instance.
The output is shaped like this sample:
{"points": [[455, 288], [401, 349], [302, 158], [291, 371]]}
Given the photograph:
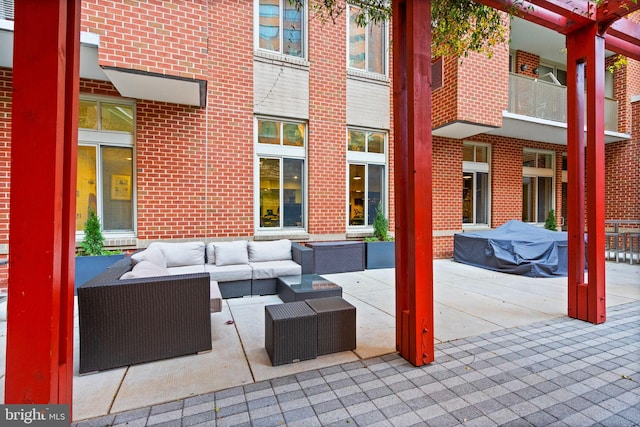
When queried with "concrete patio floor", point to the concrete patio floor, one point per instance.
{"points": [[468, 302]]}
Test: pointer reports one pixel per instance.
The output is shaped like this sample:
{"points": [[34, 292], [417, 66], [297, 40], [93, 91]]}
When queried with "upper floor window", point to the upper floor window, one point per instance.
{"points": [[367, 45], [280, 175], [367, 179], [475, 183], [281, 27]]}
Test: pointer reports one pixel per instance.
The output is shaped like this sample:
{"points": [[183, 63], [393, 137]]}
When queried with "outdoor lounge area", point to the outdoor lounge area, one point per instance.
{"points": [[468, 302]]}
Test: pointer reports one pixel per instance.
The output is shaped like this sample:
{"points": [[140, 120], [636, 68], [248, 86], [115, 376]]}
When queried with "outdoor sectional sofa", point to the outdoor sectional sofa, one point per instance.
{"points": [[241, 268], [157, 303]]}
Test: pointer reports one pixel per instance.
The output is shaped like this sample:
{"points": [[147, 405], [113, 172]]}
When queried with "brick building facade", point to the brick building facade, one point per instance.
{"points": [[294, 139]]}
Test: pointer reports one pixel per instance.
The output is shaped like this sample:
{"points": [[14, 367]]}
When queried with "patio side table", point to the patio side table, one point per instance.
{"points": [[336, 324], [306, 286], [290, 332]]}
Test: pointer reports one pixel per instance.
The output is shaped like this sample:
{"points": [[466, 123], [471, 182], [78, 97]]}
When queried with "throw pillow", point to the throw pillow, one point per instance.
{"points": [[145, 269], [152, 254], [231, 253]]}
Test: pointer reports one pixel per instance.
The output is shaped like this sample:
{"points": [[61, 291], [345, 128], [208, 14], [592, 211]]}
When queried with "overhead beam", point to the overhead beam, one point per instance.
{"points": [[625, 30], [580, 12], [610, 11], [530, 12], [624, 48]]}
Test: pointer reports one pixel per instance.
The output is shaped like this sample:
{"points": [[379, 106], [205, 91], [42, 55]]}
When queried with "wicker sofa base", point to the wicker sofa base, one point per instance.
{"points": [[124, 322]]}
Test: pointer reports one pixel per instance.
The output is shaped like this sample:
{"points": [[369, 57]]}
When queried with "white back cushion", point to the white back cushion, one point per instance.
{"points": [[277, 250], [179, 254], [229, 253], [211, 254]]}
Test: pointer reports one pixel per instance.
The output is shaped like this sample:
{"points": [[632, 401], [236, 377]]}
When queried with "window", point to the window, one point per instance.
{"points": [[280, 27], [281, 153], [366, 158], [537, 185], [105, 181], [367, 45], [475, 183], [551, 73], [6, 10]]}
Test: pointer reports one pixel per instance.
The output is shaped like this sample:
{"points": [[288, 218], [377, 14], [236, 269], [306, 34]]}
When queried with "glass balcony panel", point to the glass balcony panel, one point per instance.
{"points": [[548, 101]]}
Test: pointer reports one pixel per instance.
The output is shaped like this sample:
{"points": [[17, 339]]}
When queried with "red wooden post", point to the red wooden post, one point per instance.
{"points": [[39, 367], [413, 181], [585, 59]]}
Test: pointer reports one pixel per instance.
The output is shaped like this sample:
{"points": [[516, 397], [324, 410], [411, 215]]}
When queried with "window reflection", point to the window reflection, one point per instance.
{"points": [[356, 194]]}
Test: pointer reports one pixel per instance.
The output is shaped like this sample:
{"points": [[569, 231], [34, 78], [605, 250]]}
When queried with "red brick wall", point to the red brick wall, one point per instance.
{"points": [[444, 100], [327, 132], [230, 112], [5, 166], [483, 87], [622, 175], [155, 36], [530, 60]]}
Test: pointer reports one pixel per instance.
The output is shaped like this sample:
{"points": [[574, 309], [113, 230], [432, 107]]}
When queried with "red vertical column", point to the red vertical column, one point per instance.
{"points": [[585, 61], [413, 180], [39, 366]]}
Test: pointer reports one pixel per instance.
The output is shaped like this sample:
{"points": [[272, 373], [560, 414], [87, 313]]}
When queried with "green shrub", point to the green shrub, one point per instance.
{"points": [[550, 223], [380, 226], [93, 241]]}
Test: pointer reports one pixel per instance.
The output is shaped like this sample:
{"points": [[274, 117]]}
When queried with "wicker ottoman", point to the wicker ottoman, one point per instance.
{"points": [[336, 324], [290, 332]]}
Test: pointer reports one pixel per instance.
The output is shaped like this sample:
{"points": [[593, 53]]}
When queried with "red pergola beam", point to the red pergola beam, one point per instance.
{"points": [[530, 12], [610, 11], [578, 12], [625, 48], [625, 30], [413, 180], [39, 364]]}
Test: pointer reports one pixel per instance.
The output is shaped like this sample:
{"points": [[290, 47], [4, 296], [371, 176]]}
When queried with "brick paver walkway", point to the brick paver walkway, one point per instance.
{"points": [[561, 372]]}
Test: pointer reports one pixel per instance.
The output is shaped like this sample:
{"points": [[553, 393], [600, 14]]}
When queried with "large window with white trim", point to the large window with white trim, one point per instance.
{"points": [[367, 44], [367, 175], [537, 185], [280, 27], [105, 178], [280, 174], [475, 183]]}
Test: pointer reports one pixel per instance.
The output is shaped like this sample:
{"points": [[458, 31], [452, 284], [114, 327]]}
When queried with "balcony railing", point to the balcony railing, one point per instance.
{"points": [[544, 100]]}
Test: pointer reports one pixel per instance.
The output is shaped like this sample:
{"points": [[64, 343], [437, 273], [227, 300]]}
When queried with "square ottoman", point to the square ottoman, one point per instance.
{"points": [[336, 324], [290, 332]]}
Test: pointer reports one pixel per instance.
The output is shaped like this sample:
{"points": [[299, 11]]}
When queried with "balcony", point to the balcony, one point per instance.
{"points": [[537, 111], [548, 101]]}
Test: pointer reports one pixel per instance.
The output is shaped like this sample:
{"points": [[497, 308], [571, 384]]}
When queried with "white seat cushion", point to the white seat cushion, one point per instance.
{"points": [[273, 269], [215, 297], [186, 269], [229, 273]]}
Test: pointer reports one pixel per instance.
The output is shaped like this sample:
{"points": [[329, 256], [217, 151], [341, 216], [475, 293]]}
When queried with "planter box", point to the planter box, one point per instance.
{"points": [[88, 267], [337, 257], [380, 254]]}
